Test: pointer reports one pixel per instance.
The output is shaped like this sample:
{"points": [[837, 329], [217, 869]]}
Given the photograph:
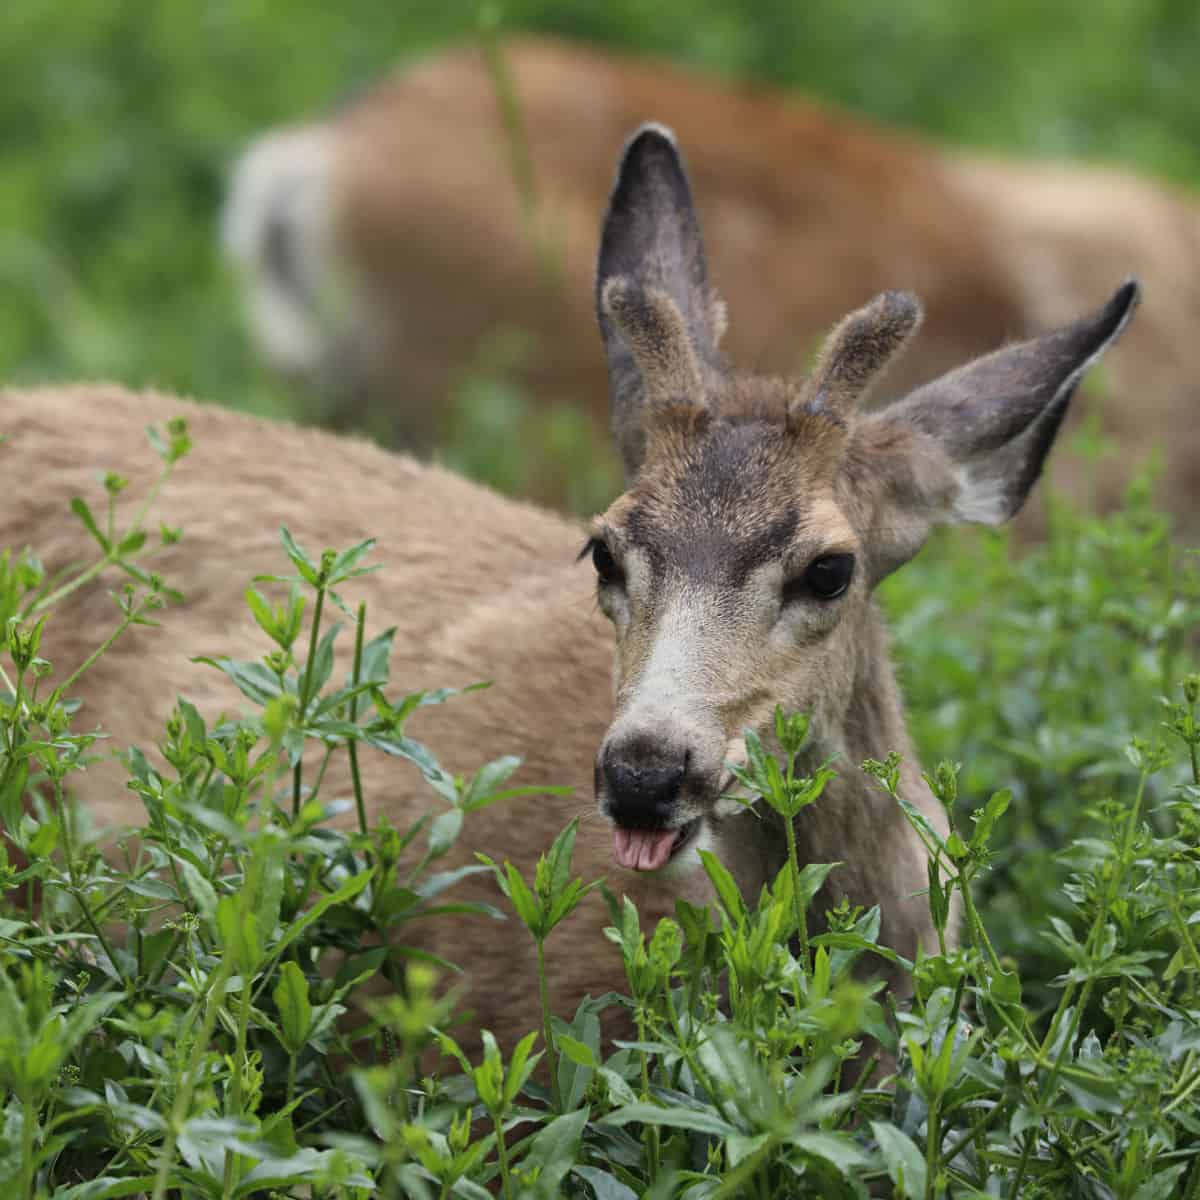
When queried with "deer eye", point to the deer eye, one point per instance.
{"points": [[824, 578], [607, 571]]}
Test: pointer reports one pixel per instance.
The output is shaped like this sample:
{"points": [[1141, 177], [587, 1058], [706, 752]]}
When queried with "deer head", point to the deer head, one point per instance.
{"points": [[737, 569]]}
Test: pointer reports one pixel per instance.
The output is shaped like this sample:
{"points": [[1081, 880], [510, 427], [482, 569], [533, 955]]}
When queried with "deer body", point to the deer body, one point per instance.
{"points": [[406, 200], [735, 573], [533, 630]]}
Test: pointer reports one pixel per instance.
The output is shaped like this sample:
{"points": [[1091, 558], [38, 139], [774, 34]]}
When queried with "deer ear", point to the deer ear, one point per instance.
{"points": [[660, 320], [970, 445]]}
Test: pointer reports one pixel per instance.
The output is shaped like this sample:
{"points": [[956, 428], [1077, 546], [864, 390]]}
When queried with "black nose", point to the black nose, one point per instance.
{"points": [[641, 789]]}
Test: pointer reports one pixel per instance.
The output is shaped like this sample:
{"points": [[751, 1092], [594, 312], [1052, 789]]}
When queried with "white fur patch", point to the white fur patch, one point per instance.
{"points": [[283, 177], [687, 862], [983, 499]]}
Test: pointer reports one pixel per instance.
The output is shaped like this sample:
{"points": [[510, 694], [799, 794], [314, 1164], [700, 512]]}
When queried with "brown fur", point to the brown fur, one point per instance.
{"points": [[809, 212], [502, 599], [735, 494]]}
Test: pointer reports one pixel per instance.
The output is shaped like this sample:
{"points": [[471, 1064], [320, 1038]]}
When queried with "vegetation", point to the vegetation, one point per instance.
{"points": [[120, 119], [1054, 1052]]}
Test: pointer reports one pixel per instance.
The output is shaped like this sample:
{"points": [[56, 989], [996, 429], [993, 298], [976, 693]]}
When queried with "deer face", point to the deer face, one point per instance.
{"points": [[737, 568], [733, 581]]}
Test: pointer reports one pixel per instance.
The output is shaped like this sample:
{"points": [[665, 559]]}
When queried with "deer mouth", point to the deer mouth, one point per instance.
{"points": [[651, 849]]}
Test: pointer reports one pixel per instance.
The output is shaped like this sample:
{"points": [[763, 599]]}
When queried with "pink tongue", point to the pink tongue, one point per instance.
{"points": [[642, 850]]}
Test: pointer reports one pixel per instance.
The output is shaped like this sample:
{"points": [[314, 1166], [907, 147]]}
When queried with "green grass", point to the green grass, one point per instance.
{"points": [[169, 1019]]}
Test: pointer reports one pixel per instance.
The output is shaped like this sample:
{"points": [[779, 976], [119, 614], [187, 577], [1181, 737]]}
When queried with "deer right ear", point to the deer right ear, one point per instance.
{"points": [[660, 320], [970, 445]]}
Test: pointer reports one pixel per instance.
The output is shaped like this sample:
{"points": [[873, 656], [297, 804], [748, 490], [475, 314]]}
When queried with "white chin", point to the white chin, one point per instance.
{"points": [[687, 861]]}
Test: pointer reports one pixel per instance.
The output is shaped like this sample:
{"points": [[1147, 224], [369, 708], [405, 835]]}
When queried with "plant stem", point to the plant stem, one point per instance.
{"points": [[521, 161], [91, 658], [502, 1154], [933, 1141], [551, 1050], [651, 1131], [797, 901], [235, 1091], [77, 892], [352, 749], [975, 922], [306, 682], [305, 688], [183, 1097], [1192, 1085], [28, 1147], [150, 497], [85, 576], [90, 573]]}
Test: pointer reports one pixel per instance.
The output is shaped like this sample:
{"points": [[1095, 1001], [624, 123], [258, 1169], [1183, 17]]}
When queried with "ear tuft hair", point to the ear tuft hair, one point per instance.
{"points": [[855, 354], [652, 328]]}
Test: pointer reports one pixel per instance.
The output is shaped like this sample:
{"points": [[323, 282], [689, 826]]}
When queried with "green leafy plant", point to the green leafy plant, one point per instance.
{"points": [[184, 1015]]}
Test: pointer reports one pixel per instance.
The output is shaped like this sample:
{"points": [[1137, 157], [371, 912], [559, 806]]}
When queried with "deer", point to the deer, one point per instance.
{"points": [[373, 268], [630, 655]]}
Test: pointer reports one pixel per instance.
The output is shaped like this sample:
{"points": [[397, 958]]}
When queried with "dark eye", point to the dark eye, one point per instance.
{"points": [[824, 578], [607, 570]]}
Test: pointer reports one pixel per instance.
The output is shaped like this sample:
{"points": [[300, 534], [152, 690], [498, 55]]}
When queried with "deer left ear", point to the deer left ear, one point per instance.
{"points": [[660, 319], [970, 445]]}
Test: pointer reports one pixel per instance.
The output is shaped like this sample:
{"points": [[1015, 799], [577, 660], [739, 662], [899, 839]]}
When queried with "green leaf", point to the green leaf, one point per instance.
{"points": [[262, 612], [995, 808], [349, 888], [201, 892], [300, 560], [739, 1147], [727, 891], [132, 542], [238, 932], [16, 774], [106, 1188], [812, 879], [1162, 1186], [554, 1149], [376, 657], [905, 1162], [488, 780], [559, 858], [522, 899], [254, 680], [345, 564], [79, 507], [295, 1011], [318, 671], [444, 830], [604, 1186], [674, 1117], [576, 1051]]}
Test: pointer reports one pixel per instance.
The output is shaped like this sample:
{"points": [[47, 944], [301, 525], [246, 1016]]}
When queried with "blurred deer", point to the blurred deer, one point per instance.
{"points": [[384, 246], [735, 573]]}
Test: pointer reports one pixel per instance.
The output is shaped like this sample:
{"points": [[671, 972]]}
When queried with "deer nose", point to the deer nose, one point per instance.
{"points": [[641, 790]]}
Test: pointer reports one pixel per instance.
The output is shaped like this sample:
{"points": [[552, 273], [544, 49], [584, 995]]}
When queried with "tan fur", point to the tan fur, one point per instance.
{"points": [[808, 211], [654, 330], [479, 587]]}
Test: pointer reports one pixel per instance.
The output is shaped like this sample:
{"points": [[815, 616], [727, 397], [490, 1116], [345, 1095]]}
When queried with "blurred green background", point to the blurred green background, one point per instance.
{"points": [[119, 120]]}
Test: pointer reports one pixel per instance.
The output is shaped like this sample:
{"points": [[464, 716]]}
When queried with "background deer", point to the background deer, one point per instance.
{"points": [[736, 573], [384, 244]]}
